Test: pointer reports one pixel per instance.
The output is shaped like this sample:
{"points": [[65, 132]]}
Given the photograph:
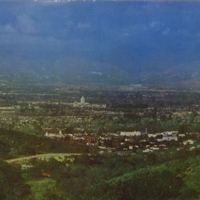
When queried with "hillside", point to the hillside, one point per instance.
{"points": [[177, 179], [108, 177]]}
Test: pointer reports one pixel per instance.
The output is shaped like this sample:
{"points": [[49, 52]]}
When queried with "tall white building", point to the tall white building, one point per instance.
{"points": [[80, 104], [82, 100]]}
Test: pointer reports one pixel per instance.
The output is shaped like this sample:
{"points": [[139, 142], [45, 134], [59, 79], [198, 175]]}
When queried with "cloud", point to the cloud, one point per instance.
{"points": [[156, 25], [166, 31], [7, 29], [25, 25], [83, 25]]}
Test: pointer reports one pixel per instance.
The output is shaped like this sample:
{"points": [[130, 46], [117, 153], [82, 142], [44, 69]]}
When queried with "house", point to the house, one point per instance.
{"points": [[181, 135], [162, 145], [147, 151], [55, 135], [188, 142], [91, 138], [151, 135], [102, 147], [135, 133], [170, 138], [155, 148], [24, 167], [127, 139], [46, 174], [169, 133]]}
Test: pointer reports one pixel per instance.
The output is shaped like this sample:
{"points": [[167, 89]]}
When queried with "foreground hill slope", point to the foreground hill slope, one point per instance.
{"points": [[178, 179]]}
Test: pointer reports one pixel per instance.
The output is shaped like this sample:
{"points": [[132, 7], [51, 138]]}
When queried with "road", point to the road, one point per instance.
{"points": [[41, 156]]}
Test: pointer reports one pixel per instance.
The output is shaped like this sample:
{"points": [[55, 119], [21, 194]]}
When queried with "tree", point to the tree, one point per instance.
{"points": [[183, 129], [12, 185]]}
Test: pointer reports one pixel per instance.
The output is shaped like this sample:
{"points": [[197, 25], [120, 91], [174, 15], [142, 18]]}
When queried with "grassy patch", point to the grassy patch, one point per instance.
{"points": [[43, 189]]}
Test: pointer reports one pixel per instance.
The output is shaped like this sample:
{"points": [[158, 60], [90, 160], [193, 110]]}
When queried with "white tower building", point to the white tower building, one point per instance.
{"points": [[82, 100]]}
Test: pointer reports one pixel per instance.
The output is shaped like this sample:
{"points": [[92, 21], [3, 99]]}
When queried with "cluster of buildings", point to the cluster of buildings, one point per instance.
{"points": [[54, 135], [85, 104], [82, 103], [126, 141]]}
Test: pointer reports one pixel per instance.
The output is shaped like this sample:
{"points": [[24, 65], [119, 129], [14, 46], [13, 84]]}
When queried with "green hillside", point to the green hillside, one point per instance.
{"points": [[178, 179], [112, 177]]}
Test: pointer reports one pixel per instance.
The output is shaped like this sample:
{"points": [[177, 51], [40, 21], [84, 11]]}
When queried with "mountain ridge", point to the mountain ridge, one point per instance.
{"points": [[83, 71]]}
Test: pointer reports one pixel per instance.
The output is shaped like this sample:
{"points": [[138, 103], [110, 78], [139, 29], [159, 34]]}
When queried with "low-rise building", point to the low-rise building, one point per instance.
{"points": [[134, 133], [58, 135]]}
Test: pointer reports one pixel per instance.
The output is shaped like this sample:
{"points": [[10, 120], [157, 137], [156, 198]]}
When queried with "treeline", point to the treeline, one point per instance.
{"points": [[132, 122], [14, 144]]}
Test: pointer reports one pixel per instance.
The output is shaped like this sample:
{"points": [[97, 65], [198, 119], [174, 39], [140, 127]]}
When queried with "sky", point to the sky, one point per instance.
{"points": [[132, 35]]}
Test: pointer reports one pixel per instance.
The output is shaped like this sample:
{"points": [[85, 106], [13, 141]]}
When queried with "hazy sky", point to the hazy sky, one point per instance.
{"points": [[142, 34]]}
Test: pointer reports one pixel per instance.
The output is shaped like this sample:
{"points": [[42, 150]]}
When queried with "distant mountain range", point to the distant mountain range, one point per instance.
{"points": [[78, 71]]}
